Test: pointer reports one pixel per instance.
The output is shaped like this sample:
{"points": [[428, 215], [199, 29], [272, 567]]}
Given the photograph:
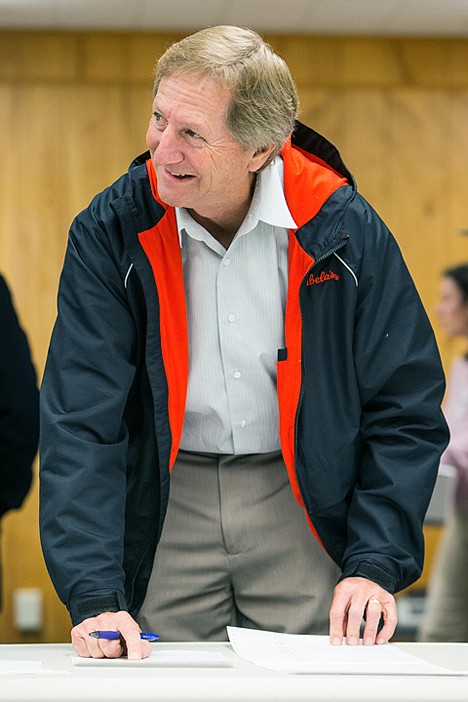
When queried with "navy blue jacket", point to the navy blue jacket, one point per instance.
{"points": [[359, 385]]}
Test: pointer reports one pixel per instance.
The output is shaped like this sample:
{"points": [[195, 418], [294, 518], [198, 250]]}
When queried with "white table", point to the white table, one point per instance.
{"points": [[242, 683]]}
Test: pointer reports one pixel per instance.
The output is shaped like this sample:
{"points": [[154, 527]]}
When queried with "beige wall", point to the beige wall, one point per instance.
{"points": [[73, 113]]}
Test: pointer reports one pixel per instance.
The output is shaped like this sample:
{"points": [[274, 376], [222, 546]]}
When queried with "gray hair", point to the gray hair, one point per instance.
{"points": [[264, 98]]}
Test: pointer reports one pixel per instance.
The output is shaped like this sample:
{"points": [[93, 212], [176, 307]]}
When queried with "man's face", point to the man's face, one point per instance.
{"points": [[199, 165]]}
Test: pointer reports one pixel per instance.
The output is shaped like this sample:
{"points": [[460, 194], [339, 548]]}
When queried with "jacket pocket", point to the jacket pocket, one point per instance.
{"points": [[329, 482]]}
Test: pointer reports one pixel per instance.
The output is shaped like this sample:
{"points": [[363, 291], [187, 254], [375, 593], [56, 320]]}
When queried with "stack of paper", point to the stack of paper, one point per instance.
{"points": [[161, 658], [298, 654]]}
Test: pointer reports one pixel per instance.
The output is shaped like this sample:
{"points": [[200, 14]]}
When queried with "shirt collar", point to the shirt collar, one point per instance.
{"points": [[268, 203]]}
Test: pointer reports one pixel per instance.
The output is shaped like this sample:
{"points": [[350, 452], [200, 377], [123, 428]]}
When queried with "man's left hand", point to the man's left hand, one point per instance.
{"points": [[353, 598]]}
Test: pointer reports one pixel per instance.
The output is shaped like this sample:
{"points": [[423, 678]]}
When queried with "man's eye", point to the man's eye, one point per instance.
{"points": [[158, 118], [192, 134]]}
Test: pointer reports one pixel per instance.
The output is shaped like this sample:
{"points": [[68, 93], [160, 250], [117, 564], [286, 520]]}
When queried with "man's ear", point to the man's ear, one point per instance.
{"points": [[260, 158]]}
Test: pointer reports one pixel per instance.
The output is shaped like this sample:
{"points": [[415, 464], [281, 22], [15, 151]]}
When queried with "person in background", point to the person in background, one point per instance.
{"points": [[19, 409], [237, 324], [446, 616]]}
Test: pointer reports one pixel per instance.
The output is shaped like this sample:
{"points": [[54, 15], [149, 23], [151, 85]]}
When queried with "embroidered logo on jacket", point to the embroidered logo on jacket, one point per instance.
{"points": [[322, 278]]}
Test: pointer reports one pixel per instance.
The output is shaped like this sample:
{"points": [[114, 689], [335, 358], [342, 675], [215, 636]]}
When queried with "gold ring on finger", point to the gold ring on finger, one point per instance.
{"points": [[375, 600]]}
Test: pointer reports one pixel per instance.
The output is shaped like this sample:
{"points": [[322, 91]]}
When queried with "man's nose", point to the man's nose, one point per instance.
{"points": [[168, 147]]}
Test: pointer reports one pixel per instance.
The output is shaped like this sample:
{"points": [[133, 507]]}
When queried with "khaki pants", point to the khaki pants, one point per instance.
{"points": [[236, 550], [446, 617]]}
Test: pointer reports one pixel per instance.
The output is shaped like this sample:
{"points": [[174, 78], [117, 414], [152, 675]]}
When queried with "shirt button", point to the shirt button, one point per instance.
{"points": [[226, 261], [236, 374], [243, 423], [231, 317]]}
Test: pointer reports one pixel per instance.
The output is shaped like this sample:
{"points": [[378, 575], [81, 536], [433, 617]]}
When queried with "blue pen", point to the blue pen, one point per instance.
{"points": [[114, 635]]}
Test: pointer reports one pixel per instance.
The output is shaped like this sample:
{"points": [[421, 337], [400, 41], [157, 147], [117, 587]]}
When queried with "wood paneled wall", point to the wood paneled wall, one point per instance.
{"points": [[73, 114]]}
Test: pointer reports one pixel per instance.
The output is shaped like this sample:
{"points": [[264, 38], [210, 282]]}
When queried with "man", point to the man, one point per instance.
{"points": [[19, 408], [233, 310]]}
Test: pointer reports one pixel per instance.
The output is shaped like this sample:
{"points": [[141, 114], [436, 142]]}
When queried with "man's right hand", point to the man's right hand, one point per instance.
{"points": [[129, 642]]}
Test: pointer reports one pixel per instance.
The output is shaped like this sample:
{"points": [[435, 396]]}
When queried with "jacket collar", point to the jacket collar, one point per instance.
{"points": [[313, 165]]}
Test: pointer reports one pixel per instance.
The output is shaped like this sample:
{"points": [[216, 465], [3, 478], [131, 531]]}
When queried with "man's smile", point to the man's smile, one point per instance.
{"points": [[178, 176]]}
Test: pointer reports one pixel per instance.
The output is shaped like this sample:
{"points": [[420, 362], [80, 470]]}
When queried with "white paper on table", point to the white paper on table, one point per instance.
{"points": [[161, 658], [303, 654], [25, 668]]}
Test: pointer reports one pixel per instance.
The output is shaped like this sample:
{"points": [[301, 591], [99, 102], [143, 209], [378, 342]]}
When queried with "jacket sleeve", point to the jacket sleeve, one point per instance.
{"points": [[403, 432], [88, 374], [19, 407]]}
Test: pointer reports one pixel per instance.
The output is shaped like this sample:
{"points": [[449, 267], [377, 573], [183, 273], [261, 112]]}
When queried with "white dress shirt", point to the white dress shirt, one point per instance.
{"points": [[235, 308]]}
